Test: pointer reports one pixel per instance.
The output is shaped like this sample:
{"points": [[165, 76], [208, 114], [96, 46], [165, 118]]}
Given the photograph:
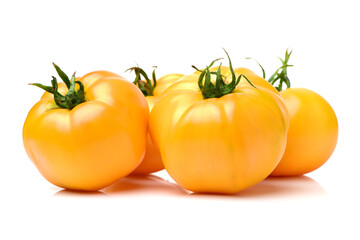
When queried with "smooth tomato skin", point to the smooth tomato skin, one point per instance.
{"points": [[164, 82], [312, 134], [94, 144], [185, 82], [152, 161], [218, 145], [262, 84]]}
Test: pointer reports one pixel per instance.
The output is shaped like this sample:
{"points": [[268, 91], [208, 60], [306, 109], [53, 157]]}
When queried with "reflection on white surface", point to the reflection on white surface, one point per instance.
{"points": [[72, 193], [278, 187], [272, 187], [145, 184], [136, 184], [285, 187]]}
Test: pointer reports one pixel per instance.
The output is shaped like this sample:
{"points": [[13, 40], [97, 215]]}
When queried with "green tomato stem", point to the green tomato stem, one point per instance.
{"points": [[146, 86], [280, 75], [220, 88], [72, 98]]}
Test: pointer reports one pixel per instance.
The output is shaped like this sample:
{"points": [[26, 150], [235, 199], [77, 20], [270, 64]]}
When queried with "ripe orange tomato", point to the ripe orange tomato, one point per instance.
{"points": [[313, 127], [215, 137], [312, 134], [92, 136], [152, 89]]}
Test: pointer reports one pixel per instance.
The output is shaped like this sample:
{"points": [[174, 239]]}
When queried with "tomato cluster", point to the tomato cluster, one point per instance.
{"points": [[217, 130]]}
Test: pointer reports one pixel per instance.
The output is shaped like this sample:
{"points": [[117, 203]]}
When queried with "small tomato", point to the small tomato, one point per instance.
{"points": [[313, 127]]}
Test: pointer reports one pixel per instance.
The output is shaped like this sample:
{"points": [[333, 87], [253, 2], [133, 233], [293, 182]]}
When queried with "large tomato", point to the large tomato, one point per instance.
{"points": [[152, 90], [313, 127], [215, 137], [86, 138]]}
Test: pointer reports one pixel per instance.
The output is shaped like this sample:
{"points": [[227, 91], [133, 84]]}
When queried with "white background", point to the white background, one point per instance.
{"points": [[114, 35]]}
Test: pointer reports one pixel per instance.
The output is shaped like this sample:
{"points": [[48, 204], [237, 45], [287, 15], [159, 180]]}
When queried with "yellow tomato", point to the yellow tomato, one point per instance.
{"points": [[218, 144], [94, 143], [152, 90], [312, 134], [313, 127]]}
